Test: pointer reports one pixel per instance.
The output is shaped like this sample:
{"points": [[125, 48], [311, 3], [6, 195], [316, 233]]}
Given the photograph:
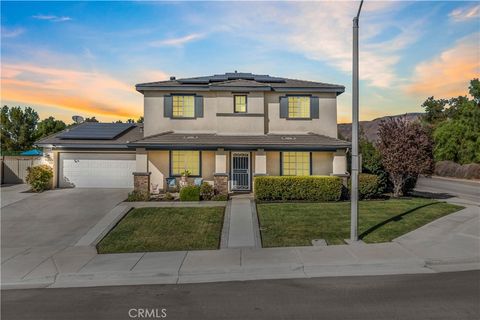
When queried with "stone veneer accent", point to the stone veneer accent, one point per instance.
{"points": [[141, 182], [220, 183]]}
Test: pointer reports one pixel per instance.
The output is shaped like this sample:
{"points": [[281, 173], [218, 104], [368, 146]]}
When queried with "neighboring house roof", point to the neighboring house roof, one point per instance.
{"points": [[240, 81], [98, 135], [310, 141]]}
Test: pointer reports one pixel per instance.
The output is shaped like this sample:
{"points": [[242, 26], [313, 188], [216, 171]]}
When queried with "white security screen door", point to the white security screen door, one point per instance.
{"points": [[240, 171]]}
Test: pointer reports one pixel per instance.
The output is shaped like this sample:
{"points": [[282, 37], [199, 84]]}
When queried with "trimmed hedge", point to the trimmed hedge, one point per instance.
{"points": [[305, 188], [368, 186], [190, 193]]}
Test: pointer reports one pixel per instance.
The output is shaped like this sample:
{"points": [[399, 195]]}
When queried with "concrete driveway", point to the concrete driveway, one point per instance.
{"points": [[54, 218], [13, 193]]}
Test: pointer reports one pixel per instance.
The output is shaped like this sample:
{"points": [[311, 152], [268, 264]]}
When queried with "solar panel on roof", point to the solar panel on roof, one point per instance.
{"points": [[267, 78], [231, 76], [96, 131]]}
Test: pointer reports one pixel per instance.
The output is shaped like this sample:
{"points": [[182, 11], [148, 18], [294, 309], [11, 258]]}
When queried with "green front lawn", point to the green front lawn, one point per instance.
{"points": [[296, 224], [165, 229]]}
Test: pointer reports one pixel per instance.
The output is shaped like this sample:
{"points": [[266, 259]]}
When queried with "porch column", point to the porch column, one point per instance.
{"points": [[220, 177], [141, 176], [260, 163]]}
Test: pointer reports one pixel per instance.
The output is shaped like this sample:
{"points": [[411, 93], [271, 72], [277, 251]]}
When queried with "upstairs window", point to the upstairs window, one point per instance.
{"points": [[240, 104], [185, 160], [298, 107], [183, 106], [296, 163]]}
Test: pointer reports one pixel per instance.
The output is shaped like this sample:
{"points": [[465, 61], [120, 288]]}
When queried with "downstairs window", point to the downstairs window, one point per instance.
{"points": [[296, 163], [185, 160]]}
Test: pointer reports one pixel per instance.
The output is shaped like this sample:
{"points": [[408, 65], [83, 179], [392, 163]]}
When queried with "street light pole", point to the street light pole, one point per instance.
{"points": [[355, 162]]}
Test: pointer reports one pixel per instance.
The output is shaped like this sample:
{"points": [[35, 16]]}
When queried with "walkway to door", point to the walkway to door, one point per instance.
{"points": [[240, 229]]}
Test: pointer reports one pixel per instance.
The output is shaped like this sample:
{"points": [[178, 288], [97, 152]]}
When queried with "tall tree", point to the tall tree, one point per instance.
{"points": [[406, 150], [49, 126], [92, 119], [457, 137], [434, 110], [17, 128], [140, 120]]}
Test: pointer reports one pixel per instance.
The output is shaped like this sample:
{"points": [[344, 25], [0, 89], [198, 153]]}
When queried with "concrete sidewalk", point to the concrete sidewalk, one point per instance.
{"points": [[240, 228], [82, 267], [447, 244]]}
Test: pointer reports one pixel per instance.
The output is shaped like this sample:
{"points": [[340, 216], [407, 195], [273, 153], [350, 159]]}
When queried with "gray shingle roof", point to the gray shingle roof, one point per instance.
{"points": [[310, 141], [266, 82]]}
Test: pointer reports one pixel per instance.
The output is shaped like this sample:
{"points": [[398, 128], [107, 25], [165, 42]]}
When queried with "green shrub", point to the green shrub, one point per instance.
{"points": [[39, 177], [220, 197], [206, 191], [190, 193], [138, 196], [313, 188], [369, 186]]}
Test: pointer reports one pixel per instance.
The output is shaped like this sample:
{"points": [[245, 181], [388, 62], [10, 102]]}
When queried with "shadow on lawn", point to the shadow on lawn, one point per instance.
{"points": [[396, 218]]}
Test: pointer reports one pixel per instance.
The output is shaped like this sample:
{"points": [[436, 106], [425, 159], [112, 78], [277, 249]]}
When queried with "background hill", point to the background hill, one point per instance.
{"points": [[370, 128]]}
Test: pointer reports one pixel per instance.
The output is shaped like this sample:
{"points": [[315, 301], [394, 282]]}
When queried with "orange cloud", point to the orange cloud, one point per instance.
{"points": [[92, 93], [448, 74]]}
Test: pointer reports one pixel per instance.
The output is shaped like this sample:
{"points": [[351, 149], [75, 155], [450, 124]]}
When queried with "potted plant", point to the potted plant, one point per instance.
{"points": [[184, 178]]}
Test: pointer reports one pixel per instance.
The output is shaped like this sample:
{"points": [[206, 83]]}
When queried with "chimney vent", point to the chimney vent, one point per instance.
{"points": [[172, 78]]}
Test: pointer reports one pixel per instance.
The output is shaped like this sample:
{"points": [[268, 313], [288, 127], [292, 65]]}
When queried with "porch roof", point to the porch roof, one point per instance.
{"points": [[212, 141]]}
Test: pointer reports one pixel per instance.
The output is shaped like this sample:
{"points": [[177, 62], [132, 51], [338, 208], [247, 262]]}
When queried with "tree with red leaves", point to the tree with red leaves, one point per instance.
{"points": [[407, 151]]}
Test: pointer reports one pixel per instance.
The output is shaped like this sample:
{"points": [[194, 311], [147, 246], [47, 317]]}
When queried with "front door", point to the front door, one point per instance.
{"points": [[240, 171]]}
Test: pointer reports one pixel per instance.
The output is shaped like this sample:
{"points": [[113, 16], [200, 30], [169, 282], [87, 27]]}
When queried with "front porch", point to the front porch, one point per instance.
{"points": [[230, 171]]}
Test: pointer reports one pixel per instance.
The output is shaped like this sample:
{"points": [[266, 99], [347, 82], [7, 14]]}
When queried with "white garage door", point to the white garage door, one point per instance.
{"points": [[96, 170]]}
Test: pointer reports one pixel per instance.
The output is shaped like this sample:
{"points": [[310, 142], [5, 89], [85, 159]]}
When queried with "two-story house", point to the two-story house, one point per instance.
{"points": [[224, 128]]}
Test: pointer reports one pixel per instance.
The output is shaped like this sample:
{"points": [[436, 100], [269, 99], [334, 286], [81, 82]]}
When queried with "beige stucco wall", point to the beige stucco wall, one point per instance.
{"points": [[155, 122], [273, 163], [225, 102], [326, 124], [213, 103], [208, 165], [322, 163], [159, 168], [257, 102]]}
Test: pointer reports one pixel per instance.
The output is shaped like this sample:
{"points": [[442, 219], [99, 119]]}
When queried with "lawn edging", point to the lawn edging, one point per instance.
{"points": [[175, 204], [103, 227]]}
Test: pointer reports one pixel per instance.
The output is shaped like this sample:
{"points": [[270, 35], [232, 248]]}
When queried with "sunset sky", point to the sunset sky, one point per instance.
{"points": [[84, 58]]}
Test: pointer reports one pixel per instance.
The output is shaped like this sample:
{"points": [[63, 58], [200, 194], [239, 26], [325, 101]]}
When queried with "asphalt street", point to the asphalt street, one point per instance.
{"points": [[469, 190], [422, 296]]}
